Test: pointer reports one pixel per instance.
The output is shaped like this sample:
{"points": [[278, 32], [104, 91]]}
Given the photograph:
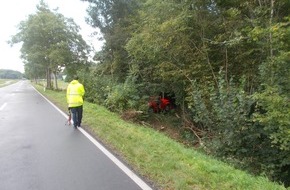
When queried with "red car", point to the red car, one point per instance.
{"points": [[157, 105]]}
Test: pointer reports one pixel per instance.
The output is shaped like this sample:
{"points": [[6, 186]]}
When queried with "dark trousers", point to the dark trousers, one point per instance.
{"points": [[77, 115]]}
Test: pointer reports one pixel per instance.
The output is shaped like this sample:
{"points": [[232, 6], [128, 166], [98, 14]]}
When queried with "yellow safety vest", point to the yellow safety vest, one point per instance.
{"points": [[74, 94]]}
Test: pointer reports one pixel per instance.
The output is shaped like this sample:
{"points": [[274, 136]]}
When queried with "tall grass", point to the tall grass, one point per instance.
{"points": [[163, 161]]}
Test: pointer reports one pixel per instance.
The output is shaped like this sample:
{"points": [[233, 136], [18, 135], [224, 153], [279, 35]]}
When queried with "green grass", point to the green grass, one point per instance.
{"points": [[62, 85], [5, 82], [163, 161]]}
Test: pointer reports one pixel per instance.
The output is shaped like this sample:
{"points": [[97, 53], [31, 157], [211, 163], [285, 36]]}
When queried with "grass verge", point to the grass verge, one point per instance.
{"points": [[160, 159], [6, 82]]}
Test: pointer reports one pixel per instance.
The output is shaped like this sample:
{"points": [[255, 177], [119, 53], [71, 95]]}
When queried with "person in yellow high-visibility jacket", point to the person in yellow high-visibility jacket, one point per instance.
{"points": [[74, 95]]}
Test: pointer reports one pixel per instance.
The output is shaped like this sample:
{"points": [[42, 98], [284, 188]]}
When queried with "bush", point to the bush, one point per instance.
{"points": [[123, 96], [236, 136], [225, 113], [275, 120], [97, 86]]}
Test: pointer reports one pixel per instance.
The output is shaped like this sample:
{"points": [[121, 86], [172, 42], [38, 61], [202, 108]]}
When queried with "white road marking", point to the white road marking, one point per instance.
{"points": [[3, 106], [124, 168], [115, 160]]}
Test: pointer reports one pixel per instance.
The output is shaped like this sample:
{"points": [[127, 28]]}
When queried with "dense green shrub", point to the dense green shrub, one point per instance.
{"points": [[97, 86], [274, 100], [252, 133], [124, 96]]}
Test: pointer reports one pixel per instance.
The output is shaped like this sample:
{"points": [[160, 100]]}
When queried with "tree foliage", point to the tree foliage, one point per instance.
{"points": [[50, 42], [226, 63], [113, 19], [10, 74]]}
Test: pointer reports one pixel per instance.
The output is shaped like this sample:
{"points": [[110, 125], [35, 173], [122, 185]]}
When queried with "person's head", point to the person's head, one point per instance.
{"points": [[76, 77]]}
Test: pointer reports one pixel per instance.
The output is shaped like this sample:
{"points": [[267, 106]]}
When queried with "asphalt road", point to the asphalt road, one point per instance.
{"points": [[38, 152]]}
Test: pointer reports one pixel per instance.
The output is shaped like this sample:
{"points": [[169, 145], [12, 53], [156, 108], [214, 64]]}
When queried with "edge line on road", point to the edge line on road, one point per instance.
{"points": [[3, 106], [115, 160], [124, 168]]}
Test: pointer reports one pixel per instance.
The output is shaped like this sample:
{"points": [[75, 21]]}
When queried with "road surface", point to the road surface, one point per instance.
{"points": [[38, 152]]}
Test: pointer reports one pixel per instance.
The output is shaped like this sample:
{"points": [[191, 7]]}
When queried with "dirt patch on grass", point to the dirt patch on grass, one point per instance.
{"points": [[169, 124]]}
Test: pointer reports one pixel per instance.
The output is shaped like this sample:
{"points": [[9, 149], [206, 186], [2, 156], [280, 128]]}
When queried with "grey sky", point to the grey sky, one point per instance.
{"points": [[12, 12]]}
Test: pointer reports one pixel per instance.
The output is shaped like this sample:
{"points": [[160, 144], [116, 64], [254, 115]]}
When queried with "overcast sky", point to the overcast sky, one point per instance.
{"points": [[12, 12]]}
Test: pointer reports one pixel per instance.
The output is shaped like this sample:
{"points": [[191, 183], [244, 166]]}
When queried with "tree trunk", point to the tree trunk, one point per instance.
{"points": [[271, 23], [270, 38], [226, 67], [48, 78], [55, 80]]}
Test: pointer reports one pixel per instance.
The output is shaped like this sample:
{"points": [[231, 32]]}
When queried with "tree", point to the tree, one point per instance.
{"points": [[50, 42], [113, 19], [10, 74], [226, 61]]}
